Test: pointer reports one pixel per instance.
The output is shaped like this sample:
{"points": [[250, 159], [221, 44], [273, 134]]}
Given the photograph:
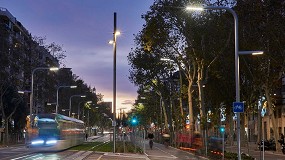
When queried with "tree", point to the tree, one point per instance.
{"points": [[269, 37]]}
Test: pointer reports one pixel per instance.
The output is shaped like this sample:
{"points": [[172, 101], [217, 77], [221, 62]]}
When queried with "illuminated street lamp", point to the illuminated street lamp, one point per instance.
{"points": [[114, 42], [56, 109], [23, 92], [82, 96], [237, 79], [32, 87]]}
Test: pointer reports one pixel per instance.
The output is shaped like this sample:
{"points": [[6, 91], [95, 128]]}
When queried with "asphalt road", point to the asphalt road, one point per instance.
{"points": [[159, 152]]}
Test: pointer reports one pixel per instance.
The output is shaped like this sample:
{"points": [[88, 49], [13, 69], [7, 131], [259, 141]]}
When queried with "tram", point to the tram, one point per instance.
{"points": [[54, 132]]}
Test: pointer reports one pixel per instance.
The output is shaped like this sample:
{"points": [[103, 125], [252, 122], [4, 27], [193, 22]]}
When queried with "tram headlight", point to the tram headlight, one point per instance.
{"points": [[51, 141], [37, 142]]}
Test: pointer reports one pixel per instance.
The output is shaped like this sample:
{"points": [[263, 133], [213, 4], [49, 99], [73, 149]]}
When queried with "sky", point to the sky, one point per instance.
{"points": [[84, 28]]}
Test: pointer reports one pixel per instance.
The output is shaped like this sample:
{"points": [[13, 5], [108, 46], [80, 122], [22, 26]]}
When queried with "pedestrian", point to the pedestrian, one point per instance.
{"points": [[150, 136], [86, 136]]}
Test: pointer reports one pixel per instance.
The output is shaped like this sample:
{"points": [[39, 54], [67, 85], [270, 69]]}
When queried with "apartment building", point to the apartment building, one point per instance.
{"points": [[19, 55]]}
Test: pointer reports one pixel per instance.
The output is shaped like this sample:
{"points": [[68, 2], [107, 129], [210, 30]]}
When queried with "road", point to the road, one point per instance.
{"points": [[159, 152]]}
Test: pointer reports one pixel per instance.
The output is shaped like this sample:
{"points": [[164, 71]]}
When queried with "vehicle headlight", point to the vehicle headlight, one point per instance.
{"points": [[53, 141], [36, 142]]}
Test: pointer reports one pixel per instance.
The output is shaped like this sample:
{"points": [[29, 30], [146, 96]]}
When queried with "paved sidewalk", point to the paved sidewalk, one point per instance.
{"points": [[91, 138], [159, 152], [251, 149]]}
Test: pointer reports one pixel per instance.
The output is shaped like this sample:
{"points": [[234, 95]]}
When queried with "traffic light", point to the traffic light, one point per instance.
{"points": [[222, 129], [134, 121]]}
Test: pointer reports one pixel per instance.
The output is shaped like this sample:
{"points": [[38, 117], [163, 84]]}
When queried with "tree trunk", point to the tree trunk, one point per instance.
{"points": [[273, 121], [165, 115], [180, 94], [6, 132], [190, 105]]}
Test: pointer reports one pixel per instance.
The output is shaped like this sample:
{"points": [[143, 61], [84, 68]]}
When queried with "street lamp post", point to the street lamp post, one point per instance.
{"points": [[56, 109], [237, 79], [114, 42], [82, 96], [32, 87]]}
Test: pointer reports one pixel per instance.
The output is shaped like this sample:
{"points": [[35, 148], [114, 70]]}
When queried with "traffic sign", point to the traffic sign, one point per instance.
{"points": [[263, 112], [238, 107]]}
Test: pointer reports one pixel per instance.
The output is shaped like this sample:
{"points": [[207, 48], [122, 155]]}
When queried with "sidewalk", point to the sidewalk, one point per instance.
{"points": [[159, 152], [250, 146], [92, 138], [252, 149]]}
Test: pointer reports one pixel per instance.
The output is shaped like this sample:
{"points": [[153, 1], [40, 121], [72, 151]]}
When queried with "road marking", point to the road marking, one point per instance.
{"points": [[100, 157], [21, 157], [167, 153]]}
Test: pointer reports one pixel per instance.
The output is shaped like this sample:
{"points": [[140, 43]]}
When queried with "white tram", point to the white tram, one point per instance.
{"points": [[54, 132]]}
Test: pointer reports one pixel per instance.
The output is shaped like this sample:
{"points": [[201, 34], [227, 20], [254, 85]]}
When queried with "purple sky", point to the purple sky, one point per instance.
{"points": [[84, 28]]}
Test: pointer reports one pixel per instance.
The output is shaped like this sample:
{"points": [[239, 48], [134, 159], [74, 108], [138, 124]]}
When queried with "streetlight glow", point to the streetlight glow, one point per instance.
{"points": [[195, 8], [250, 52], [54, 69], [165, 59], [117, 33], [111, 42], [49, 104], [23, 92]]}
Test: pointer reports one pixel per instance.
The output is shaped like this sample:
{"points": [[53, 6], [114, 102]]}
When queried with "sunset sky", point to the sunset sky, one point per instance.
{"points": [[84, 28]]}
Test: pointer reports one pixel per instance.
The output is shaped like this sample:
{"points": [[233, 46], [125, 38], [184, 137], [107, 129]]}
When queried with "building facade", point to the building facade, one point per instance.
{"points": [[20, 54]]}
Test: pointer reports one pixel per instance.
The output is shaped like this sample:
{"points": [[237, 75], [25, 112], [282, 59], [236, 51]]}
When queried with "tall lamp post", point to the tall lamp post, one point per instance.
{"points": [[32, 86], [56, 109], [82, 96], [114, 42], [237, 79]]}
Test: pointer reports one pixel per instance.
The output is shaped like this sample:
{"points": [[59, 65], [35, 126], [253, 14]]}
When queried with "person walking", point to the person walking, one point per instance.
{"points": [[150, 136], [86, 137]]}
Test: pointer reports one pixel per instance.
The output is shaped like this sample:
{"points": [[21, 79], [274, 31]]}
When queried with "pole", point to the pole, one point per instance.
{"points": [[56, 108], [206, 134], [114, 81], [237, 79], [88, 123], [69, 111], [263, 139], [144, 134], [31, 98], [223, 146], [78, 110], [135, 140], [237, 82]]}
